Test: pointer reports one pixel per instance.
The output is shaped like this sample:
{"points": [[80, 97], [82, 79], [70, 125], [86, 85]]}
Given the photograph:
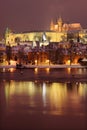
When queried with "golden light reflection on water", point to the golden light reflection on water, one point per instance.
{"points": [[44, 91], [82, 71], [58, 97], [82, 90], [54, 98], [36, 70], [47, 70], [11, 69], [8, 70], [20, 87], [69, 70]]}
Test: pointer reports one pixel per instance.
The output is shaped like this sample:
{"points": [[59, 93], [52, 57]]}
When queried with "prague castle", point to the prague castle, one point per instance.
{"points": [[58, 32]]}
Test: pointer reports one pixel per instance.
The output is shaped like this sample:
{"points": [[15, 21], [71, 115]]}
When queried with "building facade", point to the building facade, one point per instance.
{"points": [[61, 26], [58, 32]]}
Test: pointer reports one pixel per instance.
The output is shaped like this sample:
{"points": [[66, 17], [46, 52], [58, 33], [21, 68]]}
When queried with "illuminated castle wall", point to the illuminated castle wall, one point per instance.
{"points": [[57, 33], [51, 36]]}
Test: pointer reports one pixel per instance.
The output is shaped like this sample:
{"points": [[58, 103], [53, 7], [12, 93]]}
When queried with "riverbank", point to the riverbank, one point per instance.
{"points": [[45, 66]]}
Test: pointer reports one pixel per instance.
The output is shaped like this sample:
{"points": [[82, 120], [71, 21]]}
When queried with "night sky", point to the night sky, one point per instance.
{"points": [[27, 15]]}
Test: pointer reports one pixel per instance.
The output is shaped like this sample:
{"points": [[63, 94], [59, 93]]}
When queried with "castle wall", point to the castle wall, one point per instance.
{"points": [[12, 38]]}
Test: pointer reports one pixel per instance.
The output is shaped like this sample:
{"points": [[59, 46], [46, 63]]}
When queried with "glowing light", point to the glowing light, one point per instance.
{"points": [[44, 94], [76, 61], [35, 61], [68, 62], [11, 69], [58, 97], [19, 88], [56, 27], [69, 70], [36, 70], [81, 89], [44, 89], [47, 61], [47, 70], [12, 62]]}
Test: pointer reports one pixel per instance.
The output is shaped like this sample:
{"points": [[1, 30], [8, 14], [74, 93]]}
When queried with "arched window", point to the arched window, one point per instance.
{"points": [[17, 39]]}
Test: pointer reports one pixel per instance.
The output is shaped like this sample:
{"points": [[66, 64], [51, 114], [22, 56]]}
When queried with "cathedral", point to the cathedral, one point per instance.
{"points": [[60, 26]]}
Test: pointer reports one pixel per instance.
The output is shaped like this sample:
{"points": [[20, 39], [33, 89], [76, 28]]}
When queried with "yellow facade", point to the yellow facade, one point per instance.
{"points": [[57, 33], [61, 26], [11, 38]]}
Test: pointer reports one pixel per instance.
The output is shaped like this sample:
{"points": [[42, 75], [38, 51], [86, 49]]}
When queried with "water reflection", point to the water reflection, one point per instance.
{"points": [[76, 70], [43, 97], [3, 70], [41, 70]]}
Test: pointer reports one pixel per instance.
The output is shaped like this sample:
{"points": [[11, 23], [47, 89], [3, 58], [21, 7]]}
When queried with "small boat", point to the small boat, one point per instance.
{"points": [[83, 62], [19, 66]]}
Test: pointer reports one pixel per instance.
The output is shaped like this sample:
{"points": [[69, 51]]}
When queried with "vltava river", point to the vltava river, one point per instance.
{"points": [[33, 105]]}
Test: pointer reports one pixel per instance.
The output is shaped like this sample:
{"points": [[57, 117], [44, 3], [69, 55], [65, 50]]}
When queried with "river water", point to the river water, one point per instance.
{"points": [[44, 105]]}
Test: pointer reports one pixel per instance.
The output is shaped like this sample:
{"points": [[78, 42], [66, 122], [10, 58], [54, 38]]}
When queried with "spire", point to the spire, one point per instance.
{"points": [[8, 31], [60, 24], [60, 19], [51, 25]]}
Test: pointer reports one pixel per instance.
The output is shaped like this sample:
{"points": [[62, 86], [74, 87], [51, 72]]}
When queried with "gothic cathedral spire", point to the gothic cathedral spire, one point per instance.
{"points": [[51, 25], [60, 24]]}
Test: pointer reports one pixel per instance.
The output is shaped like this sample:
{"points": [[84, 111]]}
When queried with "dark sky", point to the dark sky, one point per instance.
{"points": [[26, 15]]}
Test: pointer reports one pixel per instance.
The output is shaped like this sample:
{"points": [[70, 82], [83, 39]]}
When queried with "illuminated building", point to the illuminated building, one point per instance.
{"points": [[60, 26], [58, 32], [32, 37]]}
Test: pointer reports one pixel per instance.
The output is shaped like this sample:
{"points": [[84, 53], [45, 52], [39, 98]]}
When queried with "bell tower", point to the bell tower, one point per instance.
{"points": [[51, 25], [60, 24]]}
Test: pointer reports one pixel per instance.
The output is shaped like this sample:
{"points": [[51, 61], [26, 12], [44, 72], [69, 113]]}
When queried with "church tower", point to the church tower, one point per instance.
{"points": [[60, 24], [52, 25], [7, 32]]}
